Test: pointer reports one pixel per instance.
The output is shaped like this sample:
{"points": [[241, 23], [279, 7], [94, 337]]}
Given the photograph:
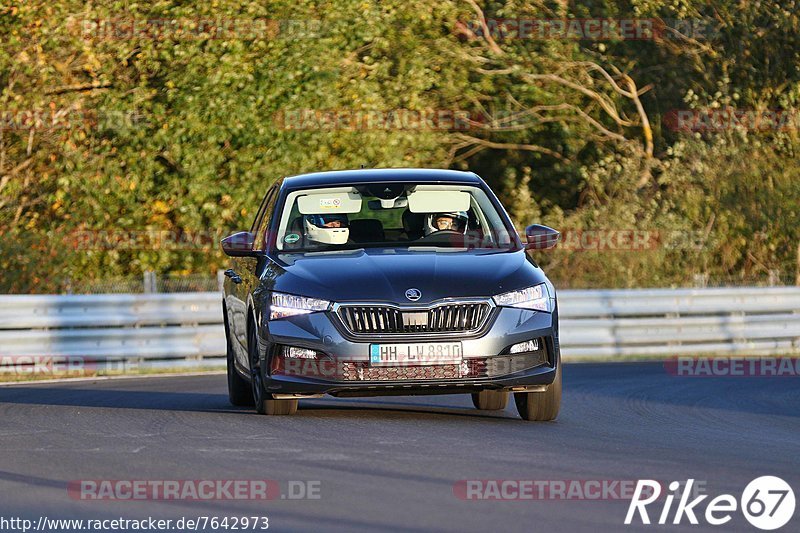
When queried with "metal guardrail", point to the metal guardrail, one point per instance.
{"points": [[666, 322], [185, 329], [116, 330]]}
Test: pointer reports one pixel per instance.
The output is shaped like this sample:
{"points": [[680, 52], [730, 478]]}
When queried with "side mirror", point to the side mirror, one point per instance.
{"points": [[541, 237], [239, 244]]}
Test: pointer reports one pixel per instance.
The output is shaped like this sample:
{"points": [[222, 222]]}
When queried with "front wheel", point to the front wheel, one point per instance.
{"points": [[265, 404], [490, 400], [541, 406]]}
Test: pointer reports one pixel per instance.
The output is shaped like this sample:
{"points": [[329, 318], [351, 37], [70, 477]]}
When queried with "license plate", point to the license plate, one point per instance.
{"points": [[421, 353]]}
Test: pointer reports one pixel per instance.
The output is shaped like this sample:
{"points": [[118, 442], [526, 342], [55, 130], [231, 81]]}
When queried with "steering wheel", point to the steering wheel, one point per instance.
{"points": [[440, 235]]}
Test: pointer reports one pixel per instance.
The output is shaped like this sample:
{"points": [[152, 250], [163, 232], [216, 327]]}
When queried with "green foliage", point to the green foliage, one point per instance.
{"points": [[180, 137]]}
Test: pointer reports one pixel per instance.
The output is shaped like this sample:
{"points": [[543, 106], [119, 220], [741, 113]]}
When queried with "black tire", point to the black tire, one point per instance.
{"points": [[540, 406], [490, 400], [263, 401], [239, 393]]}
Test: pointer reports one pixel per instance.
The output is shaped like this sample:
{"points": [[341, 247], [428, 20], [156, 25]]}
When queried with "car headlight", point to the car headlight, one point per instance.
{"points": [[284, 305], [536, 298]]}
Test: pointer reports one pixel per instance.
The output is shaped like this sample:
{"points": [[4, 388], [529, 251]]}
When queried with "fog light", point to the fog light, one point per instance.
{"points": [[293, 352], [527, 346], [303, 362]]}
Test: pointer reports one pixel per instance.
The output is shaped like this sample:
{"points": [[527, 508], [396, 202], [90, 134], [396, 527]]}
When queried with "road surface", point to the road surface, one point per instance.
{"points": [[395, 463]]}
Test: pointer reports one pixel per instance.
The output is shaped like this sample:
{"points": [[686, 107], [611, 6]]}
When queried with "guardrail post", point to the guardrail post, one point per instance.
{"points": [[220, 280], [150, 286], [797, 270]]}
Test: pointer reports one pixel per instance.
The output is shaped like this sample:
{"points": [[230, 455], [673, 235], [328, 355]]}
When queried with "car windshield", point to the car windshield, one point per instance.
{"points": [[391, 215]]}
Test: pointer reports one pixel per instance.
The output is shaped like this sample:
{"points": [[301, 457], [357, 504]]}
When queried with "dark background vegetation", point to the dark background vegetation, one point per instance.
{"points": [[183, 135]]}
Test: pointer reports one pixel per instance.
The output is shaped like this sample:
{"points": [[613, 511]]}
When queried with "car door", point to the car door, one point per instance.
{"points": [[236, 298], [246, 278]]}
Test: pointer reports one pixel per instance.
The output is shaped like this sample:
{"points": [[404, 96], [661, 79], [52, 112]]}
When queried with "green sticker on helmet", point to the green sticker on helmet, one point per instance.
{"points": [[291, 238]]}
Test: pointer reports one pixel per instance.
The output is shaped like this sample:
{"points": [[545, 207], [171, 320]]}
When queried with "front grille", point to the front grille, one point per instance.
{"points": [[447, 318]]}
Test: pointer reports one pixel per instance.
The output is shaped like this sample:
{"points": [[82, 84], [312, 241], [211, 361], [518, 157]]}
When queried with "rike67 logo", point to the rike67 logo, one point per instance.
{"points": [[767, 503]]}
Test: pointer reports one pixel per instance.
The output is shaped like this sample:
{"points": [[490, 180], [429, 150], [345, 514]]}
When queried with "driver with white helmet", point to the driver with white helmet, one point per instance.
{"points": [[327, 229], [452, 221]]}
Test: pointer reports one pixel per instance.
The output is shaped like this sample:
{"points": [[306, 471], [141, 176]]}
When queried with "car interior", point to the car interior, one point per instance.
{"points": [[383, 216], [372, 230]]}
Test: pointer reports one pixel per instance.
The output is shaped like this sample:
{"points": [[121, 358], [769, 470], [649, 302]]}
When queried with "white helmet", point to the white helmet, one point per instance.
{"points": [[459, 221], [327, 229]]}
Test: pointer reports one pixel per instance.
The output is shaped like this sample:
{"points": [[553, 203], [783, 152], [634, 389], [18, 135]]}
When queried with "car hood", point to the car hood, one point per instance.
{"points": [[386, 274]]}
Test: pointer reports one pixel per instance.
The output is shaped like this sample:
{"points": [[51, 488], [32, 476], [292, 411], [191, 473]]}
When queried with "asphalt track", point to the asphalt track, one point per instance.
{"points": [[391, 463]]}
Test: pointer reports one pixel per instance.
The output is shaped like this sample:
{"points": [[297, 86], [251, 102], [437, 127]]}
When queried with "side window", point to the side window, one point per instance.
{"points": [[265, 214], [260, 214]]}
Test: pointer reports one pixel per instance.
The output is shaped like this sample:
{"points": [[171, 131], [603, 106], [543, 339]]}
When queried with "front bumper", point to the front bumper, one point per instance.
{"points": [[488, 348]]}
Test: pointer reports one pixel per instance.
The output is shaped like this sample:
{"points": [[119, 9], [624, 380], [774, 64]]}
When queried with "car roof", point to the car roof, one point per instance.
{"points": [[373, 175]]}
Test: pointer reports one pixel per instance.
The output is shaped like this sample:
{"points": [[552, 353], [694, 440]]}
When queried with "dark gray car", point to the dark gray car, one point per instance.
{"points": [[389, 282]]}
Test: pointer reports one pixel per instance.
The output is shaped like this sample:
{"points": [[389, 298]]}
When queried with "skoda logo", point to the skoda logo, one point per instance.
{"points": [[413, 294]]}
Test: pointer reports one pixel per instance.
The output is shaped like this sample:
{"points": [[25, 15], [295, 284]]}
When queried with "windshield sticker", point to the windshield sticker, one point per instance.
{"points": [[330, 203], [291, 238]]}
